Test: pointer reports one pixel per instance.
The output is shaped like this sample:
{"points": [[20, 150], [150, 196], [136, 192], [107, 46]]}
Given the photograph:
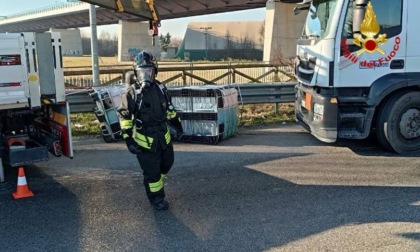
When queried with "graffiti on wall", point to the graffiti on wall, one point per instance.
{"points": [[72, 52], [131, 53]]}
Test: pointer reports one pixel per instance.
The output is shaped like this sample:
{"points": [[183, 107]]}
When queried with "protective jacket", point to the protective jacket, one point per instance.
{"points": [[143, 114]]}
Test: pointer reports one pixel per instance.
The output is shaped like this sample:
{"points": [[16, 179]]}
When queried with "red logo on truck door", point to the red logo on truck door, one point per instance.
{"points": [[371, 38], [370, 41]]}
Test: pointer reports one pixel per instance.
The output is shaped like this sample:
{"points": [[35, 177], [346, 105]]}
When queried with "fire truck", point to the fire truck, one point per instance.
{"points": [[34, 113], [358, 67]]}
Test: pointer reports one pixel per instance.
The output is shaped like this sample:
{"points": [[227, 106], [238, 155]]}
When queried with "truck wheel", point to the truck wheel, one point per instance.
{"points": [[398, 125]]}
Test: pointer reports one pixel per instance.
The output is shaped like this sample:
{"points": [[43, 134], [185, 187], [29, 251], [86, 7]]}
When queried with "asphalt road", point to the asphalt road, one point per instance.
{"points": [[269, 189]]}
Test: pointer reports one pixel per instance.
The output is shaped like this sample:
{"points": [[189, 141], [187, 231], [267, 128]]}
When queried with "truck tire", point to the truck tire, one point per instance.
{"points": [[398, 124]]}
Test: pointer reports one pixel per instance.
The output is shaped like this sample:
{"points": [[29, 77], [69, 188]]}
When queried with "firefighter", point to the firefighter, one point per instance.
{"points": [[144, 112]]}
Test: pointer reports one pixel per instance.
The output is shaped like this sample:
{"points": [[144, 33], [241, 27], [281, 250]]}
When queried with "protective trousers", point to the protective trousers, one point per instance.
{"points": [[155, 166]]}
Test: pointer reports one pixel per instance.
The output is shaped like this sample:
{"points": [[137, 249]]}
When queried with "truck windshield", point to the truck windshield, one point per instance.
{"points": [[319, 18]]}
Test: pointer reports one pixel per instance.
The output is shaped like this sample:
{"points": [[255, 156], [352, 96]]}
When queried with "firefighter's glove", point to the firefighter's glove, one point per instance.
{"points": [[132, 146], [179, 136], [170, 115]]}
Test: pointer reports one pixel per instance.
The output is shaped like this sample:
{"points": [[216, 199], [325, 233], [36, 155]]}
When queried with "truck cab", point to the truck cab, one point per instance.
{"points": [[358, 71]]}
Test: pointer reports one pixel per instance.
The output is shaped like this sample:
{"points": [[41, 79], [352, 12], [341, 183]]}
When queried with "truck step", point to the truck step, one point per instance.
{"points": [[353, 134], [352, 115]]}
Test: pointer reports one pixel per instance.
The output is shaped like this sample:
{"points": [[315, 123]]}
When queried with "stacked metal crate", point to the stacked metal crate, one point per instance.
{"points": [[208, 113], [107, 100]]}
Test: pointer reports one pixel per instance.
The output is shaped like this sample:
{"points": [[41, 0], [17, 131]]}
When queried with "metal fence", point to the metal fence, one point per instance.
{"points": [[183, 74], [81, 102]]}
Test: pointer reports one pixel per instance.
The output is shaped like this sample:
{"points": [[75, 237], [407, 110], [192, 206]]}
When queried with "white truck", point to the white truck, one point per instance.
{"points": [[34, 113], [358, 67]]}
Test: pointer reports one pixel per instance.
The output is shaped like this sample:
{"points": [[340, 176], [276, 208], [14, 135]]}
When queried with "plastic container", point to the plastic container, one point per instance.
{"points": [[208, 113], [107, 100]]}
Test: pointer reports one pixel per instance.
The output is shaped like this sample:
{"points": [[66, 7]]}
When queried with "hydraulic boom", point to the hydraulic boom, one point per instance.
{"points": [[145, 9]]}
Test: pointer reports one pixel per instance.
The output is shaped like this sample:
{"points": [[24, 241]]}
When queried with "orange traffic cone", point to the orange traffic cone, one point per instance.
{"points": [[22, 190]]}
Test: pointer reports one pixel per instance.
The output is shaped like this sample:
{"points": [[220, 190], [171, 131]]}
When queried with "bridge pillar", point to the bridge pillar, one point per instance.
{"points": [[282, 29], [135, 35], [71, 41]]}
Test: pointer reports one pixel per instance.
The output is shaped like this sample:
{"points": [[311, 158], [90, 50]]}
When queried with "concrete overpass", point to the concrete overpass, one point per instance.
{"points": [[282, 28], [75, 15]]}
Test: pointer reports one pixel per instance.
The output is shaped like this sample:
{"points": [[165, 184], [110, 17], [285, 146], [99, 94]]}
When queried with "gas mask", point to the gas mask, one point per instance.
{"points": [[145, 76]]}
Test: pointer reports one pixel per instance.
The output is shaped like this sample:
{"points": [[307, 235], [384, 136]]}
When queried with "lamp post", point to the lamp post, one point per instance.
{"points": [[205, 29], [94, 45]]}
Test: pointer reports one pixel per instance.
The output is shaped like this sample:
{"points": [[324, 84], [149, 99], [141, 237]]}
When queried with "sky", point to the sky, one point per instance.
{"points": [[176, 27]]}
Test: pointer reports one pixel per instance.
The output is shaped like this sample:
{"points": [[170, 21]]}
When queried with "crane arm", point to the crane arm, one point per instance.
{"points": [[154, 23], [145, 9], [152, 10]]}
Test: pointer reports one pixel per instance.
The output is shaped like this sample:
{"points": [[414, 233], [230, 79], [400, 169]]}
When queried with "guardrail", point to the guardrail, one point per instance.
{"points": [[81, 102]]}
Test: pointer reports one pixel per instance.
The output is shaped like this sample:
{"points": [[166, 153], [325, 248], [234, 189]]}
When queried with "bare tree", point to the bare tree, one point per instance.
{"points": [[175, 42], [86, 45], [107, 44], [229, 44], [247, 47], [261, 32], [105, 36], [246, 43], [84, 34]]}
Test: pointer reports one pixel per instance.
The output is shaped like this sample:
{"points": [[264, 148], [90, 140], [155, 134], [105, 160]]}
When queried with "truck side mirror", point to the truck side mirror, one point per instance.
{"points": [[359, 9], [298, 9]]}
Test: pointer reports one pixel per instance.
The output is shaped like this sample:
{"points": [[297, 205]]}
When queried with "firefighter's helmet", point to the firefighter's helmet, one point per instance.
{"points": [[145, 67]]}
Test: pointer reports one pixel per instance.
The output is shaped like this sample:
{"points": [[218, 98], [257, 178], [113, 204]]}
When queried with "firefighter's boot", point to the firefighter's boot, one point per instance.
{"points": [[160, 206]]}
